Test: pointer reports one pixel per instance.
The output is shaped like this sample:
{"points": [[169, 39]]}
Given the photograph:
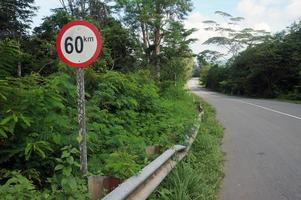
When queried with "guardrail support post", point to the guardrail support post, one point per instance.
{"points": [[95, 186]]}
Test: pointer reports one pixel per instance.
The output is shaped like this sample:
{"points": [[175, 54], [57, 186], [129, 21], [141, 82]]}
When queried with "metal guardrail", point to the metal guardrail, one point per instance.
{"points": [[139, 187]]}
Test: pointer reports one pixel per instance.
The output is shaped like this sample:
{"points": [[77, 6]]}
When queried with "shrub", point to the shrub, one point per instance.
{"points": [[125, 113]]}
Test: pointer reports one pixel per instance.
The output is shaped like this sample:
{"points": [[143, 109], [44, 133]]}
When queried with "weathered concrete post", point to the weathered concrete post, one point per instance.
{"points": [[82, 120]]}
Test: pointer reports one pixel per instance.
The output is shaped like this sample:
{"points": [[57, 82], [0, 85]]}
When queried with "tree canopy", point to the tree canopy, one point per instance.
{"points": [[267, 69]]}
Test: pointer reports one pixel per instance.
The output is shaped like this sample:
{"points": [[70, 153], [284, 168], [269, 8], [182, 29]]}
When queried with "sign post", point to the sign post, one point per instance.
{"points": [[78, 45], [80, 80]]}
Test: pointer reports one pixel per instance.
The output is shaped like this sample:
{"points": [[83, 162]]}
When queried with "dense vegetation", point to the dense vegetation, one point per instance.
{"points": [[199, 175], [134, 94], [269, 69]]}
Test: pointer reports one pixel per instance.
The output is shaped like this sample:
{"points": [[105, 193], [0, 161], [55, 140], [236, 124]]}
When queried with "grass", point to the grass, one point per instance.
{"points": [[288, 100], [199, 175]]}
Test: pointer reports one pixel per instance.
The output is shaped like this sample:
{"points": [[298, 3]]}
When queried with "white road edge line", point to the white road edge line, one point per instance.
{"points": [[269, 109]]}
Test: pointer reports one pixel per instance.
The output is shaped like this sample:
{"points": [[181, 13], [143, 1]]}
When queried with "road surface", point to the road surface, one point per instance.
{"points": [[262, 146]]}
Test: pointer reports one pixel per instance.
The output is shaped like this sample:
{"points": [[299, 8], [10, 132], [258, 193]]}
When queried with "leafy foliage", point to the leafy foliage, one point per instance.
{"points": [[159, 25], [198, 176], [125, 113], [19, 186], [66, 183], [269, 69], [8, 51], [126, 109], [15, 18], [229, 37]]}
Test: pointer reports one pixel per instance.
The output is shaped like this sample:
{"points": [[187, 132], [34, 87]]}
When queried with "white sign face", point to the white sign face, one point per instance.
{"points": [[78, 44]]}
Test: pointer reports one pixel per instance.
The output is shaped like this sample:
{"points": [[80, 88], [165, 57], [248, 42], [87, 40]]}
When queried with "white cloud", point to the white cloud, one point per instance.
{"points": [[262, 26], [250, 8], [275, 14], [294, 8]]}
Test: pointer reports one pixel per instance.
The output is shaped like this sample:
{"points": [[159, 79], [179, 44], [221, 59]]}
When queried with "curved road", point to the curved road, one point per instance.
{"points": [[262, 143]]}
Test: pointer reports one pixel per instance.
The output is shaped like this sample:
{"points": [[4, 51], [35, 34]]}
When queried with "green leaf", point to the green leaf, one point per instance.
{"points": [[6, 120], [40, 152], [2, 133], [28, 150], [65, 154], [56, 138], [15, 117], [25, 120], [72, 183], [3, 97], [67, 171], [59, 167], [74, 150], [64, 181], [79, 138], [70, 160]]}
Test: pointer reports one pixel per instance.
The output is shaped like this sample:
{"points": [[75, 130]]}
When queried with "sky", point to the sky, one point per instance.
{"points": [[270, 15]]}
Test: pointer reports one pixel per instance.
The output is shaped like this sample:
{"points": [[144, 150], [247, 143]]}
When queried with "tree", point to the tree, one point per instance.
{"points": [[8, 51], [150, 20], [231, 37], [98, 9], [121, 50], [40, 55], [15, 18], [269, 69], [210, 56], [204, 67], [176, 55]]}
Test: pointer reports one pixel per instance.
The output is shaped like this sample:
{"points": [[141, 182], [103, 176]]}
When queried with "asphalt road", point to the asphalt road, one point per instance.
{"points": [[262, 146]]}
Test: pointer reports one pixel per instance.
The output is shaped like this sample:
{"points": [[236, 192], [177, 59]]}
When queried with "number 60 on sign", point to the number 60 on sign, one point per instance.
{"points": [[78, 44]]}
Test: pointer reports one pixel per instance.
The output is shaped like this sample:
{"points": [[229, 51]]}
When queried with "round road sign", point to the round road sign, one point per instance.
{"points": [[78, 44]]}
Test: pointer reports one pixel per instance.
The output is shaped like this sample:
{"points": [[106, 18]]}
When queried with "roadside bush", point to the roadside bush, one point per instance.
{"points": [[128, 113], [198, 176], [125, 113], [270, 69]]}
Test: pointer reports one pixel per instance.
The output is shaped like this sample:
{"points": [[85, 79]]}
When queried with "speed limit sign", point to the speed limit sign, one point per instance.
{"points": [[78, 44]]}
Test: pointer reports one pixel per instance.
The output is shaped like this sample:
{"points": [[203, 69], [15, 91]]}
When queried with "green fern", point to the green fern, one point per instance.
{"points": [[9, 54]]}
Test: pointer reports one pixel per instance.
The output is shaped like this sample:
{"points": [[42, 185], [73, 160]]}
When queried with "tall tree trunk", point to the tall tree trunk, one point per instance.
{"points": [[19, 68], [144, 35], [157, 52], [158, 40], [145, 39]]}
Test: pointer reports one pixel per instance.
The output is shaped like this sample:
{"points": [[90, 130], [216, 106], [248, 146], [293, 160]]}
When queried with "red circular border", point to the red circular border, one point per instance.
{"points": [[59, 38]]}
